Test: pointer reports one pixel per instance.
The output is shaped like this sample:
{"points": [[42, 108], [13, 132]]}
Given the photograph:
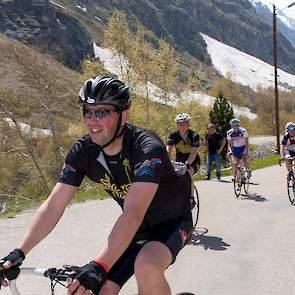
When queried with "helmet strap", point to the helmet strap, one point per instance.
{"points": [[117, 133]]}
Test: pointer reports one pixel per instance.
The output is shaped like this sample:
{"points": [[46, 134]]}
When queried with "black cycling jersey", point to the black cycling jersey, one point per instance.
{"points": [[143, 159], [184, 146]]}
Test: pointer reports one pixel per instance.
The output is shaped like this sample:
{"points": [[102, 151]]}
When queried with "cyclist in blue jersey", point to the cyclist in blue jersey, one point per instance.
{"points": [[132, 165], [238, 145], [288, 146]]}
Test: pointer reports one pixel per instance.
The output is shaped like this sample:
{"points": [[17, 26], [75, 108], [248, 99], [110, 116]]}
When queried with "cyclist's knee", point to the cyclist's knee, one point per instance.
{"points": [[109, 288], [152, 261]]}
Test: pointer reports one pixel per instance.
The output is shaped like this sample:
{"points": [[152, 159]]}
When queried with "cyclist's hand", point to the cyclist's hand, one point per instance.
{"points": [[11, 264], [88, 277]]}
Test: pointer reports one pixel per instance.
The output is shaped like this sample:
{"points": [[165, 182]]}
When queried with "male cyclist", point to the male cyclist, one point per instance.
{"points": [[238, 145], [186, 143], [133, 166], [288, 146]]}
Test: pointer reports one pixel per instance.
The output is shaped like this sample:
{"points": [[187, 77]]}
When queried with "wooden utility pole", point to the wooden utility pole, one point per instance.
{"points": [[276, 78]]}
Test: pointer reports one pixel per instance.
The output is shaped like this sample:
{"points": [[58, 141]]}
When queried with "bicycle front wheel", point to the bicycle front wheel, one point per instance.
{"points": [[238, 183], [246, 181], [195, 207], [291, 188]]}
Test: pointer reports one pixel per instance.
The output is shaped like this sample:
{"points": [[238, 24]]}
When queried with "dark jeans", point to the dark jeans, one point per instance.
{"points": [[210, 159]]}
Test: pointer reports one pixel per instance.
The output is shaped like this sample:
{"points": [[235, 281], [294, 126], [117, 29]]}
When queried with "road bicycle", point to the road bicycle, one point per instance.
{"points": [[290, 180], [241, 179], [55, 275], [181, 169]]}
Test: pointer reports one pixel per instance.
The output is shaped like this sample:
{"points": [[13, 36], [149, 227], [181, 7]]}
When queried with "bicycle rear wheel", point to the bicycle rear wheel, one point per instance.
{"points": [[238, 182], [195, 207], [291, 188]]}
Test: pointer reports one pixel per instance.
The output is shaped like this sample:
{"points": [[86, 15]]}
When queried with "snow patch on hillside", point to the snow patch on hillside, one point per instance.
{"points": [[117, 66], [28, 130], [244, 68]]}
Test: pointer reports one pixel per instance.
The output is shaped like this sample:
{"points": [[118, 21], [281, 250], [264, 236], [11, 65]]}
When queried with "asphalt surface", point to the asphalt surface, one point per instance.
{"points": [[242, 246]]}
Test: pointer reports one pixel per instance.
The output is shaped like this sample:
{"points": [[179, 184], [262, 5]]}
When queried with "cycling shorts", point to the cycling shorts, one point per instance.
{"points": [[174, 234], [239, 152]]}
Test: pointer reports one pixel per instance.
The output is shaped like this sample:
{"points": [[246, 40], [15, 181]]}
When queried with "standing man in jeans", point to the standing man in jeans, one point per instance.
{"points": [[214, 143]]}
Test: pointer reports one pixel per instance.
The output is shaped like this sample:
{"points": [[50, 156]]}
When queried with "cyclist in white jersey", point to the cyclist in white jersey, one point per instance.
{"points": [[238, 144]]}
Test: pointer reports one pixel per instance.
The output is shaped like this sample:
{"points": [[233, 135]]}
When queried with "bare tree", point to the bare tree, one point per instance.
{"points": [[118, 37], [165, 77]]}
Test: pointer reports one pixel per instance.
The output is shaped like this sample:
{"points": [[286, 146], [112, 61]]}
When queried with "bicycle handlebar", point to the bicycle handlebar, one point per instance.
{"points": [[56, 275]]}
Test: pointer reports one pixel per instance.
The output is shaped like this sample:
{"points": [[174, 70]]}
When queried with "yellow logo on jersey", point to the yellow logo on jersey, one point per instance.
{"points": [[184, 148], [117, 191]]}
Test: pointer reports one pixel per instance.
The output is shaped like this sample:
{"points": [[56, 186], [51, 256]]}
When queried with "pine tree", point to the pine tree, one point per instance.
{"points": [[221, 114]]}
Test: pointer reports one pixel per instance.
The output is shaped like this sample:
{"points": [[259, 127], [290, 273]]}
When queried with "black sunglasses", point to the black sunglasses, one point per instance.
{"points": [[100, 114]]}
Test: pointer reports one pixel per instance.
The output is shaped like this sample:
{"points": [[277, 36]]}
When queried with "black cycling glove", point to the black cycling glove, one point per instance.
{"points": [[16, 257], [91, 276]]}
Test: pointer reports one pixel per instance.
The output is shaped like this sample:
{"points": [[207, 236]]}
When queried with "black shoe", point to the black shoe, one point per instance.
{"points": [[207, 178]]}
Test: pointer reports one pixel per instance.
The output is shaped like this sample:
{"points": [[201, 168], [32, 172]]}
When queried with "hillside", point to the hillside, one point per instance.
{"points": [[27, 76], [285, 23], [233, 22], [65, 28], [39, 23]]}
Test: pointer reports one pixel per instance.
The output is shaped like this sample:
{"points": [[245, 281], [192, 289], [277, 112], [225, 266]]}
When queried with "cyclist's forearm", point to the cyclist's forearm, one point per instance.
{"points": [[169, 149], [283, 151], [119, 238], [229, 146], [136, 204], [42, 224], [192, 155]]}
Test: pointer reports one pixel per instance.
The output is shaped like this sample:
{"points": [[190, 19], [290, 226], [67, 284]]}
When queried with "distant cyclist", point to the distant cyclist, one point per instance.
{"points": [[132, 165], [186, 142], [238, 145], [287, 125], [288, 146]]}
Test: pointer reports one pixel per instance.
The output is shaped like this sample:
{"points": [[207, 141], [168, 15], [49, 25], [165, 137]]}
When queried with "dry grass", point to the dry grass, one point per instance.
{"points": [[21, 66]]}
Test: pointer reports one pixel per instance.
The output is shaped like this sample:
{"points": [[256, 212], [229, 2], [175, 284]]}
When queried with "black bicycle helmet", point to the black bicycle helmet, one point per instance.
{"points": [[105, 90]]}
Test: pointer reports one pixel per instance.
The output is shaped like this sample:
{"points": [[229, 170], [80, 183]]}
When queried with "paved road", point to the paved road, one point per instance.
{"points": [[249, 248]]}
